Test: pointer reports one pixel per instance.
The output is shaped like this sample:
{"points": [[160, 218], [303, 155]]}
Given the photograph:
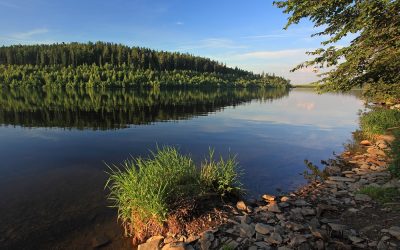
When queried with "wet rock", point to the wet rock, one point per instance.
{"points": [[355, 239], [301, 202], [341, 179], [294, 226], [332, 170], [245, 219], [274, 238], [297, 240], [262, 245], [241, 206], [319, 233], [337, 227], [306, 211], [176, 246], [263, 228], [285, 199]]}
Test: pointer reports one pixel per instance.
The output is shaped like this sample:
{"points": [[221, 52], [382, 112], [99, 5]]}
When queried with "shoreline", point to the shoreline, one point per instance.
{"points": [[329, 214]]}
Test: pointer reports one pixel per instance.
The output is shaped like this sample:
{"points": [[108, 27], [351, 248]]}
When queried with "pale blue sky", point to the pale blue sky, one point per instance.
{"points": [[247, 34]]}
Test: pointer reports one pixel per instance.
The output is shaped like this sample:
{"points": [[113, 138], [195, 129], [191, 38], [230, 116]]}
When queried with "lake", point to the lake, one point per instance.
{"points": [[54, 146]]}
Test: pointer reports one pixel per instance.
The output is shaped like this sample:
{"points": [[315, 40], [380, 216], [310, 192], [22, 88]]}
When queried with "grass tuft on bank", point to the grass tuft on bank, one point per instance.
{"points": [[146, 189], [378, 121], [381, 194], [394, 166]]}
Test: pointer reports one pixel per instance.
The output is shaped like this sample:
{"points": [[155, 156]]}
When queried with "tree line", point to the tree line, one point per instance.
{"points": [[115, 65]]}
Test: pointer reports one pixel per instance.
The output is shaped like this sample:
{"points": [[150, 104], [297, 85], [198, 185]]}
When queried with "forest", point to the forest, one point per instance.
{"points": [[114, 65]]}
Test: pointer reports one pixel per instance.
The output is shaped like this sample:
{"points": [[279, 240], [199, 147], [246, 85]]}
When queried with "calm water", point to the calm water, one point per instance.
{"points": [[53, 145]]}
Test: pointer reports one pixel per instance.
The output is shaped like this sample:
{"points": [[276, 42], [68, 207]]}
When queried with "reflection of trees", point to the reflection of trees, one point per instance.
{"points": [[112, 109]]}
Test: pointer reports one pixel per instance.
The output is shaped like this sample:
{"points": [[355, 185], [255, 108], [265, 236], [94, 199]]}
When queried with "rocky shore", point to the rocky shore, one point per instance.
{"points": [[329, 214]]}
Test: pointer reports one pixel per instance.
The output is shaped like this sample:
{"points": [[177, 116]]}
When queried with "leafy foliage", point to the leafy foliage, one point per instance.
{"points": [[372, 58], [381, 194], [114, 65]]}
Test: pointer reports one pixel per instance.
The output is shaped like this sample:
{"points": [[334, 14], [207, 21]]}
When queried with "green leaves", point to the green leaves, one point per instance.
{"points": [[373, 57]]}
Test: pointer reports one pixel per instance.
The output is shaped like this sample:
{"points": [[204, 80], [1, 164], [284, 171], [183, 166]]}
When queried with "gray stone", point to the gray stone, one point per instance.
{"points": [[319, 233], [341, 179], [301, 202], [247, 230], [294, 226], [262, 245], [178, 246], [99, 241], [263, 228], [245, 219], [355, 239], [395, 232], [274, 238], [306, 211], [362, 197], [337, 227], [273, 207], [297, 240]]}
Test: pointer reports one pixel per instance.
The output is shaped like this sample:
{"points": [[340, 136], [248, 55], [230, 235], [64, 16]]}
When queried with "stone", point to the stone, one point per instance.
{"points": [[319, 233], [355, 239], [100, 240], [232, 244], [285, 199], [301, 202], [320, 245], [294, 226], [263, 228], [306, 211], [365, 143], [269, 197], [297, 240], [341, 179], [253, 248], [262, 245], [247, 230], [175, 246], [273, 207], [332, 170], [241, 206], [245, 219], [395, 232], [274, 238], [337, 227], [362, 197]]}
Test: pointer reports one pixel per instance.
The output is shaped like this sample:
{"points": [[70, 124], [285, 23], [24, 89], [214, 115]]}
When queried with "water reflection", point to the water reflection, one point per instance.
{"points": [[114, 109]]}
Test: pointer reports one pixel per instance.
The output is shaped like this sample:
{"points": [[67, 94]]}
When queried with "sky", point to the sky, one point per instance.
{"points": [[248, 34]]}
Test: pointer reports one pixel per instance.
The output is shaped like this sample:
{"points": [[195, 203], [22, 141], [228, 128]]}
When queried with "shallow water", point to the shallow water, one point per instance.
{"points": [[54, 146]]}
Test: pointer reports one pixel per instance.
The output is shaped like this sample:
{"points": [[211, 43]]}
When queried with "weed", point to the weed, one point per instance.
{"points": [[381, 194]]}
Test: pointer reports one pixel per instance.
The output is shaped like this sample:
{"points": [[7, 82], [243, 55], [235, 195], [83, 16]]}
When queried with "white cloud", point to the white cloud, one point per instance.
{"points": [[179, 23], [29, 34], [269, 54]]}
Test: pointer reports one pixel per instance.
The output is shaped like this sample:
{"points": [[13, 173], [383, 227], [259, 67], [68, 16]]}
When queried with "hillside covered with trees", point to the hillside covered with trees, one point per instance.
{"points": [[114, 65]]}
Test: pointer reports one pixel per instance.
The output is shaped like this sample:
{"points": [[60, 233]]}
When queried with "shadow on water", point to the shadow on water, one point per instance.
{"points": [[115, 109]]}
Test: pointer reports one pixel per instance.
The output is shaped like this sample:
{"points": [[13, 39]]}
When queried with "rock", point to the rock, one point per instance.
{"points": [[352, 210], [355, 239], [175, 246], [285, 199], [341, 179], [247, 230], [395, 232], [301, 202], [274, 238], [375, 151], [320, 245], [319, 233], [241, 206], [273, 207], [297, 240], [269, 197], [337, 227], [294, 226], [306, 211], [362, 197], [245, 219], [253, 248], [262, 245], [263, 228], [152, 243], [100, 240], [332, 170], [365, 143], [232, 244]]}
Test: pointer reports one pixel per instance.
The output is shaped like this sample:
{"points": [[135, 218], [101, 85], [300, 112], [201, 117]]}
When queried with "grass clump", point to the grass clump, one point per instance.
{"points": [[145, 190], [378, 120], [381, 194]]}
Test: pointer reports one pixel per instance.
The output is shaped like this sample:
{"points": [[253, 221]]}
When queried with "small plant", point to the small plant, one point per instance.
{"points": [[145, 190], [221, 176], [315, 173], [378, 120], [381, 194]]}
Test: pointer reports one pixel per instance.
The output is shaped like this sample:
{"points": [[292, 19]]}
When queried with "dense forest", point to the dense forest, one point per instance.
{"points": [[116, 65]]}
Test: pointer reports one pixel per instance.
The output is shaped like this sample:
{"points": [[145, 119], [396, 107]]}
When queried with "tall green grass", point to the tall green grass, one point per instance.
{"points": [[144, 190], [394, 166], [378, 120]]}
